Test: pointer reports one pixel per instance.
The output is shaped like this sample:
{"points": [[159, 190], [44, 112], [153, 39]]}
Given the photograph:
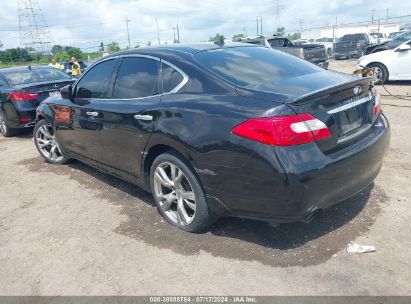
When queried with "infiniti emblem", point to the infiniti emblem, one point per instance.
{"points": [[357, 90]]}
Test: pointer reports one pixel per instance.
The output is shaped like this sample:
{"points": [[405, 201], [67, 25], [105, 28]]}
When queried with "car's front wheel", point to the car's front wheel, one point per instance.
{"points": [[178, 194], [380, 72], [47, 144]]}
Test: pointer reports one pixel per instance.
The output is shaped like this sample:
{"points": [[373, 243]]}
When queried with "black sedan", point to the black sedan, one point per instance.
{"points": [[220, 130], [21, 91]]}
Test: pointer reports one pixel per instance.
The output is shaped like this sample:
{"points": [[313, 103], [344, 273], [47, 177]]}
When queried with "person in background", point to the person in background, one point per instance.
{"points": [[75, 67], [55, 64]]}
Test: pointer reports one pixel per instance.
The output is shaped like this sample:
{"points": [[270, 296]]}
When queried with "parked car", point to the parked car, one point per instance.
{"points": [[67, 66], [352, 45], [394, 34], [328, 44], [379, 37], [220, 130], [389, 45], [311, 52], [390, 64], [21, 91]]}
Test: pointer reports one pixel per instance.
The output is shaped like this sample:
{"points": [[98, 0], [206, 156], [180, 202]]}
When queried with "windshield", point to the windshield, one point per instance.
{"points": [[254, 67], [27, 76]]}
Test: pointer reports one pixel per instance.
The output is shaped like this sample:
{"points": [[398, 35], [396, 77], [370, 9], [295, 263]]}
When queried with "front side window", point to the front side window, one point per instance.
{"points": [[94, 84], [137, 77], [171, 78]]}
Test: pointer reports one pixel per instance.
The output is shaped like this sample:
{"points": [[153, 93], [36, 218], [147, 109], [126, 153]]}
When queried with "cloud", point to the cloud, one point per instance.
{"points": [[87, 23]]}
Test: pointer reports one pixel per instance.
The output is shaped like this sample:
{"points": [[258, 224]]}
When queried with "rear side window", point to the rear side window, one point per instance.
{"points": [[171, 78], [137, 77], [354, 38], [277, 42], [94, 84], [254, 67]]}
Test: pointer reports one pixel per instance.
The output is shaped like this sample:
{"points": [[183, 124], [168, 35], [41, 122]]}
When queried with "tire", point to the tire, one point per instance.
{"points": [[380, 71], [4, 127], [47, 145], [180, 200]]}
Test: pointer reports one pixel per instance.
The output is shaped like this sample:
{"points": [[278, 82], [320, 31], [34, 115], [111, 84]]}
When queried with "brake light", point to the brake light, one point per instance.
{"points": [[283, 130], [377, 103], [20, 96]]}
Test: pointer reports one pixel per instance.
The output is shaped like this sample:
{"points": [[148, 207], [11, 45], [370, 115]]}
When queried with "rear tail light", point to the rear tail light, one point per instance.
{"points": [[20, 96], [283, 130], [377, 103]]}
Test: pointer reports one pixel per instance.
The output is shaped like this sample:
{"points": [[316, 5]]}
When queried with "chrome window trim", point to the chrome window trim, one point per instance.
{"points": [[349, 105], [182, 83], [173, 91]]}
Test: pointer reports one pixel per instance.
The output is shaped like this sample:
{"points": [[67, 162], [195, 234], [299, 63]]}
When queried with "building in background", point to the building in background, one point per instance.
{"points": [[337, 31]]}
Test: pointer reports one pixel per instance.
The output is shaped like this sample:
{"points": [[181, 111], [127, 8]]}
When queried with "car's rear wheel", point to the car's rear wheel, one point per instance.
{"points": [[380, 72], [47, 144], [178, 194], [4, 127]]}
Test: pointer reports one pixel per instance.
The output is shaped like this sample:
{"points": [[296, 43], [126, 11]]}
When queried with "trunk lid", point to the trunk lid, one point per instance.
{"points": [[343, 102], [43, 89]]}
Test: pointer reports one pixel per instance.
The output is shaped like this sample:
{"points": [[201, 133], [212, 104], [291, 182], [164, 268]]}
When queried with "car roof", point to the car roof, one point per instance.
{"points": [[180, 48]]}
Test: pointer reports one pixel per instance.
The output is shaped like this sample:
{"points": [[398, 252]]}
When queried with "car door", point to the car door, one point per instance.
{"points": [[83, 135], [402, 64], [130, 114]]}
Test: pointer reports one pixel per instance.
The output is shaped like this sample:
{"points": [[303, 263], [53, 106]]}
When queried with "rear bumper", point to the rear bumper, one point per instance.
{"points": [[309, 180], [19, 119]]}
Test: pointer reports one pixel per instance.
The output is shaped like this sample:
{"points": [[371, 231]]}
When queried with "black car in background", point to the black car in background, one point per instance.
{"points": [[21, 91], [352, 46], [220, 130], [67, 66]]}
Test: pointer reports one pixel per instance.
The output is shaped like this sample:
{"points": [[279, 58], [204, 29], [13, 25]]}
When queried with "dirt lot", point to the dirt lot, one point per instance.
{"points": [[70, 230]]}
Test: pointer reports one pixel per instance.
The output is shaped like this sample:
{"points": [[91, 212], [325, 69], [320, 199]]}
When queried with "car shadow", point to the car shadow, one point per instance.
{"points": [[281, 246], [293, 235]]}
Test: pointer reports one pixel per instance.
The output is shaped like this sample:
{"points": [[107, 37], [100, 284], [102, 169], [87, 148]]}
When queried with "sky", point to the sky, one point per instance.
{"points": [[86, 23]]}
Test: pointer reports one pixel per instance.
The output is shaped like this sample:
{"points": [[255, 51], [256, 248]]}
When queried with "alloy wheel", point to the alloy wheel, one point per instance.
{"points": [[47, 143], [3, 127], [378, 73], [174, 193]]}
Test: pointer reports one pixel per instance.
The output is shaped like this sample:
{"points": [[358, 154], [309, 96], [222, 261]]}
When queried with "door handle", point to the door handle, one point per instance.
{"points": [[94, 114], [143, 117]]}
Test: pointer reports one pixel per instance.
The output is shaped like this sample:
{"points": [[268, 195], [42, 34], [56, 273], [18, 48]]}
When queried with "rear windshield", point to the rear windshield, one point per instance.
{"points": [[254, 67], [26, 76], [353, 38]]}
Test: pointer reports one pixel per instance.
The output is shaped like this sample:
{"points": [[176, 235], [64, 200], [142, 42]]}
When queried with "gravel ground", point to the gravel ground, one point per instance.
{"points": [[71, 230]]}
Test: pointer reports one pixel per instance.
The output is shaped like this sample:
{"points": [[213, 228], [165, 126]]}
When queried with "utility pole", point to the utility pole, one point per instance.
{"points": [[257, 24], [245, 31], [372, 15], [301, 26], [259, 20], [277, 16], [261, 27], [178, 34], [158, 33], [128, 33], [174, 34], [387, 13]]}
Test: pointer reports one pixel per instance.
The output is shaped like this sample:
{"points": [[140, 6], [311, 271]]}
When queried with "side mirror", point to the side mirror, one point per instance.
{"points": [[67, 92], [403, 47]]}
